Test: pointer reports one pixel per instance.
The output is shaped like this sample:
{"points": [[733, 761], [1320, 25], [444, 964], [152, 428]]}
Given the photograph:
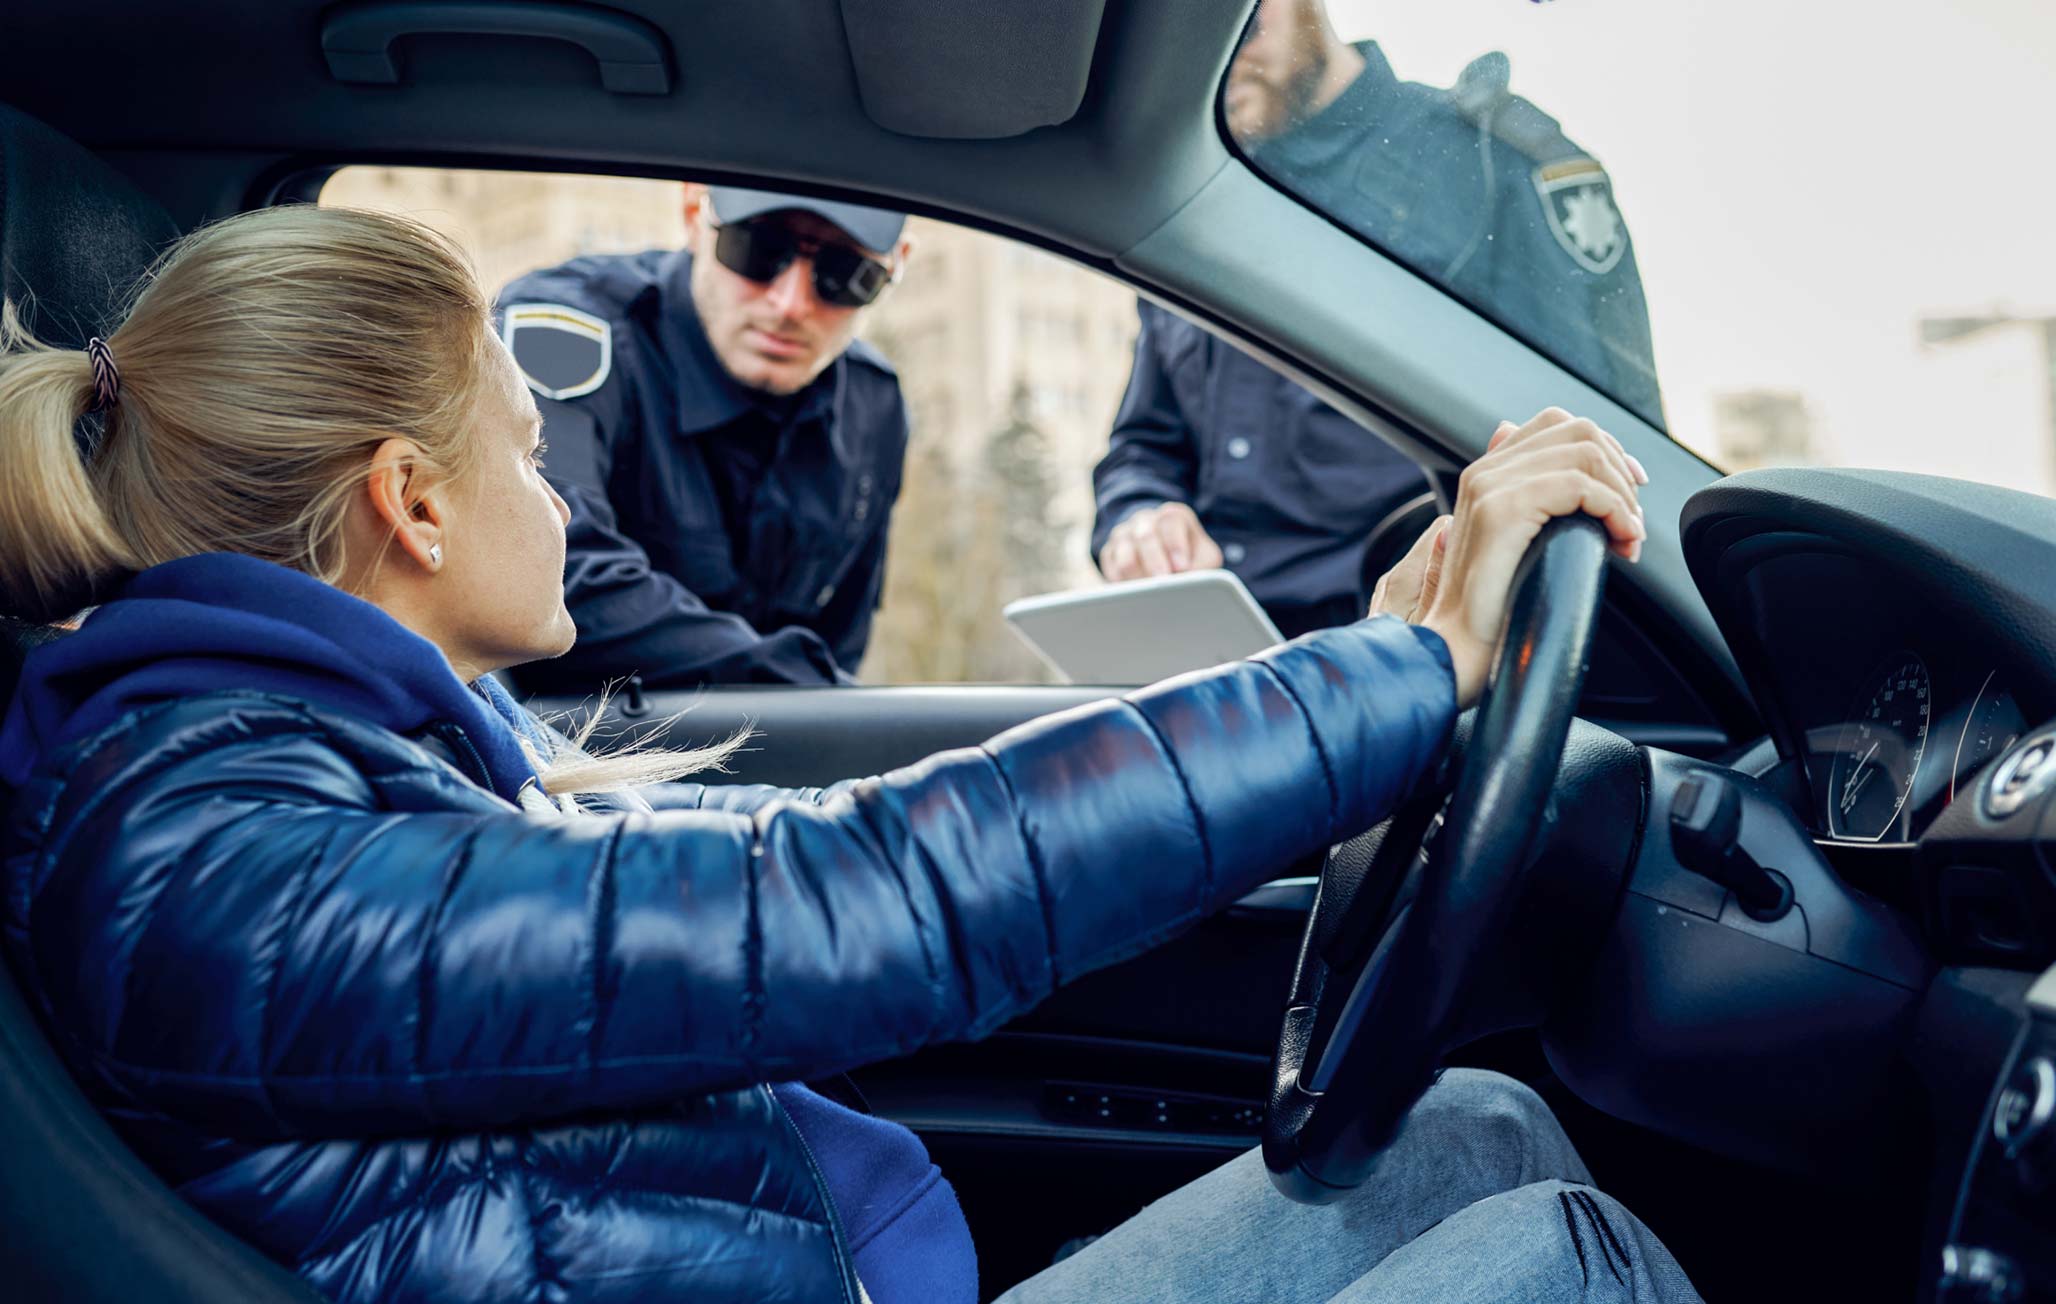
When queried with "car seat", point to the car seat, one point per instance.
{"points": [[81, 1218]]}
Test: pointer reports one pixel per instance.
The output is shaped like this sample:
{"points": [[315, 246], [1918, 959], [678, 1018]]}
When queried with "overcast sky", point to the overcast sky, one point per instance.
{"points": [[1803, 178]]}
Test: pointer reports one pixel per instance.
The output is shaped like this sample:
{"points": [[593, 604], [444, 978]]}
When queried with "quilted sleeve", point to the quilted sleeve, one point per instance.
{"points": [[246, 941], [743, 798]]}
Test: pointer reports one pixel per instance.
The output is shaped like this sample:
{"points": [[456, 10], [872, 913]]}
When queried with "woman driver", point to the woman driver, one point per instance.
{"points": [[302, 897]]}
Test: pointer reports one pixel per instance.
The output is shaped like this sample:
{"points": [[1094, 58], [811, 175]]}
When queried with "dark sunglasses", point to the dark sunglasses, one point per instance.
{"points": [[760, 251]]}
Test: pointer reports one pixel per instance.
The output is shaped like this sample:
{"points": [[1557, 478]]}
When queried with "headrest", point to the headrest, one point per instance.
{"points": [[74, 233]]}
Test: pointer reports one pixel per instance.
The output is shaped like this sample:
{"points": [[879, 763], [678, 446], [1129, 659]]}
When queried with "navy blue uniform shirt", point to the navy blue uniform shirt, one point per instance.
{"points": [[1289, 487], [718, 534], [1461, 185]]}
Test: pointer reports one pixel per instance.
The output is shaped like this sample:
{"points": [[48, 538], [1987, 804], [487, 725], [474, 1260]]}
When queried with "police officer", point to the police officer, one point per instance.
{"points": [[1217, 460], [729, 452]]}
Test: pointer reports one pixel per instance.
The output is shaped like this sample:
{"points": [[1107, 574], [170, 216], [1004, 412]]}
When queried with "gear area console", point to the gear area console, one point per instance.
{"points": [[2002, 1238]]}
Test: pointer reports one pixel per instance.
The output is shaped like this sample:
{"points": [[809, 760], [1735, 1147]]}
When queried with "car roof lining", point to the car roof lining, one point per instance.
{"points": [[772, 86]]}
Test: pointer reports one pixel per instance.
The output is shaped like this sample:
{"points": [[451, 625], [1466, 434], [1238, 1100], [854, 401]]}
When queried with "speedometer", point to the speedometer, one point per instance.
{"points": [[1993, 725], [1883, 739]]}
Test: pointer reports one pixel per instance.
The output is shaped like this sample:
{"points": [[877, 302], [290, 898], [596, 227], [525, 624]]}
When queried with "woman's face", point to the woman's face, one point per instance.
{"points": [[500, 588]]}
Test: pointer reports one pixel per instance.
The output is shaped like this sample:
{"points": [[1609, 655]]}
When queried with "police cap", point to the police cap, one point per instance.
{"points": [[873, 228]]}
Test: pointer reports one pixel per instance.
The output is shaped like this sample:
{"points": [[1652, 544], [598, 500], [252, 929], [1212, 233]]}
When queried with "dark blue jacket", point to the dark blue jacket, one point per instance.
{"points": [[419, 1043], [220, 621], [717, 535]]}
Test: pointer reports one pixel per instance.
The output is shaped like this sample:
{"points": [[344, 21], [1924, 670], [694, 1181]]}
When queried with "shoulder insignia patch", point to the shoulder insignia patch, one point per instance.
{"points": [[562, 352], [1577, 200]]}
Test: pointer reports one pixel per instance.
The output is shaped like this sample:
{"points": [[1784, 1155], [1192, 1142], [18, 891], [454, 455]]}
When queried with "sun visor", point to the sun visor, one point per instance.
{"points": [[977, 71]]}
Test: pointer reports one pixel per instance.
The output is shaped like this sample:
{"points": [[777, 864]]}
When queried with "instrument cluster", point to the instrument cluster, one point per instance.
{"points": [[1891, 703], [1908, 739]]}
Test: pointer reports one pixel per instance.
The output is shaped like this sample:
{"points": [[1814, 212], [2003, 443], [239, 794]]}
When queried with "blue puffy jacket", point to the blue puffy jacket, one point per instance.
{"points": [[418, 1044]]}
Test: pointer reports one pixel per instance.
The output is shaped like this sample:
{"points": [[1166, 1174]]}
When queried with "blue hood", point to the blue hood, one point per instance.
{"points": [[221, 621]]}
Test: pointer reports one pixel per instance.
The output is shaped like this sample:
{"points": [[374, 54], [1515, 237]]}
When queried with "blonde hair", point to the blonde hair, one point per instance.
{"points": [[630, 757], [262, 361]]}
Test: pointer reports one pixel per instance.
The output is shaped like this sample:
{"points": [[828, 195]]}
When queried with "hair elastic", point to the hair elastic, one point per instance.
{"points": [[106, 376]]}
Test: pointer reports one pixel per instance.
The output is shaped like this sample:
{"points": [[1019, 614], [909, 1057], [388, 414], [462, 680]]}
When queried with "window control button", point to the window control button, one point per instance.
{"points": [[1094, 1105]]}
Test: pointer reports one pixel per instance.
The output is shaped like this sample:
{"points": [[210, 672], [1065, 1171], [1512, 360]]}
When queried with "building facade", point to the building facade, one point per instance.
{"points": [[1762, 427], [1980, 403]]}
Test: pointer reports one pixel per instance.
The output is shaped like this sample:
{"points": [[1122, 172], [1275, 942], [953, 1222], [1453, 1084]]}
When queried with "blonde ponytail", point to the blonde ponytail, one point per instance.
{"points": [[57, 545], [262, 361]]}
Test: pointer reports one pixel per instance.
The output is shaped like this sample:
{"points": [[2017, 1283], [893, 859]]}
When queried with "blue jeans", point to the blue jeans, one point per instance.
{"points": [[1480, 1199]]}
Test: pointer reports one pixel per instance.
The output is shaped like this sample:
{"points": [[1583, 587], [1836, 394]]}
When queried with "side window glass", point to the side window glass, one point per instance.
{"points": [[980, 422], [1013, 362]]}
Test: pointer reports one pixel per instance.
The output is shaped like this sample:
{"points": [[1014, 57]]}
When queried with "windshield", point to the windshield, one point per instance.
{"points": [[1786, 233]]}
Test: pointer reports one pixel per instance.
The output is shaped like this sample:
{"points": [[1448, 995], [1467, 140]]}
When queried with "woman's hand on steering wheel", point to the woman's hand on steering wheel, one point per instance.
{"points": [[1457, 577]]}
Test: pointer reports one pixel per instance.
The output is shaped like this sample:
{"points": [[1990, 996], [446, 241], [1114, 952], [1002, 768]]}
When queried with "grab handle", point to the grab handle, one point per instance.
{"points": [[358, 39]]}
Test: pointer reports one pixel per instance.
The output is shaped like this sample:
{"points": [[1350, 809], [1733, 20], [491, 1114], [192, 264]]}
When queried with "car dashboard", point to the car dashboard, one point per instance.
{"points": [[1892, 702], [1898, 633]]}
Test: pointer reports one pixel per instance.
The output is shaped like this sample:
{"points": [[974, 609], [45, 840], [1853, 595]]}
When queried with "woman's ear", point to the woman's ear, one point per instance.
{"points": [[407, 501]]}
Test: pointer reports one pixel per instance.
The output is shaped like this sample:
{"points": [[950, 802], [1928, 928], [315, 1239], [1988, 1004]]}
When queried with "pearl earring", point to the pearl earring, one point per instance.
{"points": [[435, 554]]}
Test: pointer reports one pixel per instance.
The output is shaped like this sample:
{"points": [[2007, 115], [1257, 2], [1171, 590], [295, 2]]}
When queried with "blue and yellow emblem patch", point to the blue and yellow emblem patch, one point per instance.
{"points": [[562, 352], [1577, 198]]}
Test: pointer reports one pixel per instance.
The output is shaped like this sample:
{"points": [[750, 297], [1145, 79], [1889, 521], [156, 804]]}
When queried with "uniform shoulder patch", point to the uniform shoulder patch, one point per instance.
{"points": [[562, 352], [1577, 201]]}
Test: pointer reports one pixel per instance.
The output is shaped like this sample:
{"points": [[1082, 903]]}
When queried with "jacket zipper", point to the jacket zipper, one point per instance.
{"points": [[457, 738], [835, 1232]]}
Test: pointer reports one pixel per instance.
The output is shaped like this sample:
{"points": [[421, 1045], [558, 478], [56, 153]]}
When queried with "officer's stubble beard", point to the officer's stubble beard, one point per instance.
{"points": [[730, 305], [1282, 104]]}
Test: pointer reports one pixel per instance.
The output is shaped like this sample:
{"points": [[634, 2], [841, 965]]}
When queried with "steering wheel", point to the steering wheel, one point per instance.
{"points": [[1407, 915]]}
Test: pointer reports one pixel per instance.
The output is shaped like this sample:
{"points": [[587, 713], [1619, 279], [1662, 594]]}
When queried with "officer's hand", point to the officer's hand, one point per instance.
{"points": [[1553, 466], [1160, 540]]}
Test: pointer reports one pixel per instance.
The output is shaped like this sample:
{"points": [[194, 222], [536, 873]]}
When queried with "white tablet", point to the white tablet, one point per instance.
{"points": [[1140, 631]]}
